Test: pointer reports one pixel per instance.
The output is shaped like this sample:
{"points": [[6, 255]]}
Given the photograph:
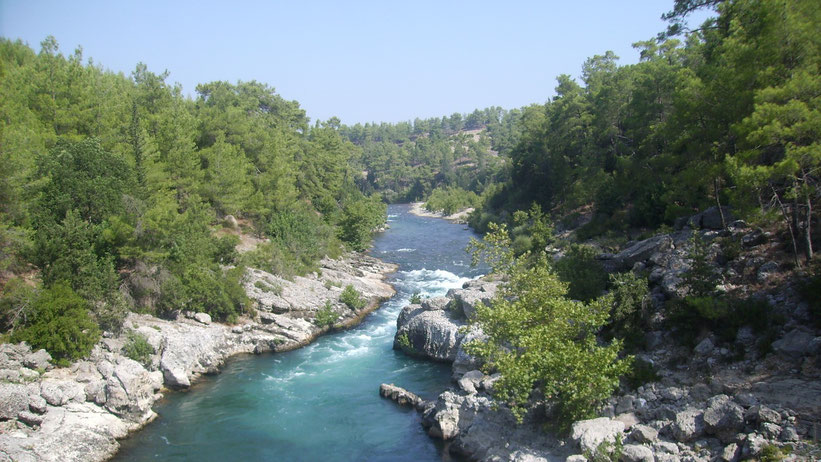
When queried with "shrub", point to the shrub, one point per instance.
{"points": [[352, 298], [450, 200], [61, 324], [276, 289], [536, 336], [415, 299], [360, 218], [326, 316], [404, 342], [631, 301], [585, 276], [137, 348]]}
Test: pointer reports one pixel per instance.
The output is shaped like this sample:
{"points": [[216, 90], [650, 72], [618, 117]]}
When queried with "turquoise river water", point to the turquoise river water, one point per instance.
{"points": [[321, 402]]}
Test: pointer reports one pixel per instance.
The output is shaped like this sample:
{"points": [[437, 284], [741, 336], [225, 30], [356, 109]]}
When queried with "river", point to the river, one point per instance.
{"points": [[321, 402]]}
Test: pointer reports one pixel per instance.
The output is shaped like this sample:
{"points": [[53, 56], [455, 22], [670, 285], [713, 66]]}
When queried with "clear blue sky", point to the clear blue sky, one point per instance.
{"points": [[363, 61]]}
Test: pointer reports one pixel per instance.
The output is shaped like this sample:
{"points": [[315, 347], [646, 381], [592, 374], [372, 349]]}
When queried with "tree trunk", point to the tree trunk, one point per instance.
{"points": [[790, 228], [808, 227], [718, 202]]}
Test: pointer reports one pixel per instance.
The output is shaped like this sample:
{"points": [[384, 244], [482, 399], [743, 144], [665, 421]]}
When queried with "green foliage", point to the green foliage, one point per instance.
{"points": [[219, 293], [723, 315], [137, 348], [641, 373], [539, 337], [584, 275], [532, 231], [326, 316], [450, 200], [276, 289], [631, 303], [105, 177], [60, 323], [606, 451], [300, 238], [773, 453], [416, 298], [404, 342], [700, 280], [16, 304], [351, 297], [360, 217], [83, 177]]}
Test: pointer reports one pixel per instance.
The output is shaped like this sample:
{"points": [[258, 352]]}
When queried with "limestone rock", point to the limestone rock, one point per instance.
{"points": [[589, 434], [463, 361], [795, 343], [731, 453], [39, 359], [60, 392], [203, 318], [29, 418], [688, 425], [400, 395], [430, 333], [723, 417], [705, 347], [472, 294], [638, 252], [644, 434], [711, 218], [14, 399], [637, 453], [471, 381], [435, 303]]}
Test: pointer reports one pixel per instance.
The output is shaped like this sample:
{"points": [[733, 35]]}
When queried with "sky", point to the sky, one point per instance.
{"points": [[361, 61]]}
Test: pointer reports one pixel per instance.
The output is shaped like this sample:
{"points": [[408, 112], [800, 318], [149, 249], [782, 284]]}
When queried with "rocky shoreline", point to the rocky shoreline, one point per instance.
{"points": [[79, 413], [717, 401]]}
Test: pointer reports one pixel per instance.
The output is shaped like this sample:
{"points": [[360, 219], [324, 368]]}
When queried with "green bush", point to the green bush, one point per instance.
{"points": [[61, 324], [360, 218], [450, 200], [137, 348], [351, 297], [211, 290], [326, 316], [538, 337], [584, 274], [631, 302], [415, 299]]}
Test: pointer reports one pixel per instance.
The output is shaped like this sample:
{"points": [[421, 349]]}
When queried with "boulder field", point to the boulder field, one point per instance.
{"points": [[78, 413]]}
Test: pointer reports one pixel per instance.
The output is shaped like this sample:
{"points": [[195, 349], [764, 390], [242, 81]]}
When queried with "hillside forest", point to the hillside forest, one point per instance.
{"points": [[121, 193]]}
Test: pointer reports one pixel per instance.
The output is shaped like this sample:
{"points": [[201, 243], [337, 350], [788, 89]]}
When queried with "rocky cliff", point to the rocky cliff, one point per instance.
{"points": [[78, 413]]}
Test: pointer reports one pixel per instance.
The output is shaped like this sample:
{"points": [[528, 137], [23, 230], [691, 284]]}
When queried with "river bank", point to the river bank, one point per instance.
{"points": [[80, 412]]}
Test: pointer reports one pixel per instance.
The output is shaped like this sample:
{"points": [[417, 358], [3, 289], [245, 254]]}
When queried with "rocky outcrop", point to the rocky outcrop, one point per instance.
{"points": [[436, 328], [430, 333], [400, 395], [78, 413]]}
